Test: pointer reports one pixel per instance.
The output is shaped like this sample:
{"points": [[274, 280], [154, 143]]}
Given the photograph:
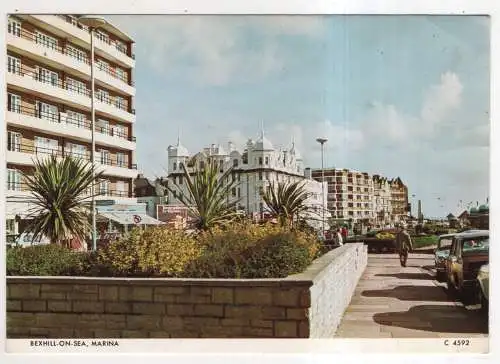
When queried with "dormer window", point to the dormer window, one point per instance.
{"points": [[235, 162], [260, 161], [267, 160]]}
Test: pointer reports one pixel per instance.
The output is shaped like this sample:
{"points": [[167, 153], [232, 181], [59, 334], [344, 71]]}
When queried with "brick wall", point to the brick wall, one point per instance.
{"points": [[299, 306]]}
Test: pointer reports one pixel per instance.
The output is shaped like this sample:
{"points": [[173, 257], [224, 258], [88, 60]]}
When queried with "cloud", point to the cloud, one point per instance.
{"points": [[215, 51]]}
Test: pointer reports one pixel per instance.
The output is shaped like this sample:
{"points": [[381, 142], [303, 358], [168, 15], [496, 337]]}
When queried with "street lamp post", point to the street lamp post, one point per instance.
{"points": [[322, 141], [92, 22]]}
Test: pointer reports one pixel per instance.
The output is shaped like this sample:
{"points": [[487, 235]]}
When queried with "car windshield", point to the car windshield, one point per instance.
{"points": [[479, 243], [445, 243]]}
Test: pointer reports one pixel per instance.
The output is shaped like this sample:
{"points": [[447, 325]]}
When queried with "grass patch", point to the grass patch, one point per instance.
{"points": [[424, 241]]}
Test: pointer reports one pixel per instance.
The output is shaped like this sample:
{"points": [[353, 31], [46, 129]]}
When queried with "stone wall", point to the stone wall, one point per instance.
{"points": [[300, 306]]}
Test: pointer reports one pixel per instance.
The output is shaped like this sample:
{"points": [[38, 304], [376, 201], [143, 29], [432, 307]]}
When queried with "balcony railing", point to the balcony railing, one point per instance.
{"points": [[60, 152], [73, 21], [23, 187], [64, 117], [25, 34]]}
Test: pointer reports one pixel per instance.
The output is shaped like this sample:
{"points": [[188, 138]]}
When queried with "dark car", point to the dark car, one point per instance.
{"points": [[441, 254], [469, 251]]}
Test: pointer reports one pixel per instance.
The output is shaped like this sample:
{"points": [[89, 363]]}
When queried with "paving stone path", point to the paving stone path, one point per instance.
{"points": [[395, 302]]}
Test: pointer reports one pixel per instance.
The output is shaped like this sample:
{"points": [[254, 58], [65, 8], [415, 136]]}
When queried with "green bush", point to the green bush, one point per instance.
{"points": [[252, 251], [45, 260]]}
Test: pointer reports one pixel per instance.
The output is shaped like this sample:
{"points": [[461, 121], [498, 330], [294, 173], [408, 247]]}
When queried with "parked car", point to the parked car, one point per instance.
{"points": [[469, 251], [441, 254], [26, 239], [482, 287]]}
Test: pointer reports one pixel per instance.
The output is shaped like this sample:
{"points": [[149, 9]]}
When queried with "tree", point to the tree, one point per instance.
{"points": [[59, 195], [286, 201], [207, 195]]}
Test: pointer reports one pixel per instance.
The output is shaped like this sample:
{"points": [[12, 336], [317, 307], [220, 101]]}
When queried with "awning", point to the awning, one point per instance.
{"points": [[130, 218]]}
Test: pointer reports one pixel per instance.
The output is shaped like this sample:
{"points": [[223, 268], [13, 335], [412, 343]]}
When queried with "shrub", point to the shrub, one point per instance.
{"points": [[45, 260], [252, 251], [156, 251]]}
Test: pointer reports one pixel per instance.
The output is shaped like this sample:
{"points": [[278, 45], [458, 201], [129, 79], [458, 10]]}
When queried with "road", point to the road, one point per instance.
{"points": [[395, 302]]}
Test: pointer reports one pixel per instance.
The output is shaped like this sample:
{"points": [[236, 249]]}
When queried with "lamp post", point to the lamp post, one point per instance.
{"points": [[92, 22], [322, 141]]}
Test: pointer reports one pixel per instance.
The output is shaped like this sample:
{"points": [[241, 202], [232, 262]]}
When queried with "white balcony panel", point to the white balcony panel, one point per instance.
{"points": [[69, 64], [103, 49], [67, 130], [25, 159], [117, 171], [60, 95]]}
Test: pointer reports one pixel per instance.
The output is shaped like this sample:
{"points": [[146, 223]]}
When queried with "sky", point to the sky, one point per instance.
{"points": [[401, 96]]}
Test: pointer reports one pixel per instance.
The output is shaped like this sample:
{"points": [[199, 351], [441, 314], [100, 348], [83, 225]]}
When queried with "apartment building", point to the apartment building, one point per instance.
{"points": [[350, 193], [255, 169], [359, 197], [49, 105]]}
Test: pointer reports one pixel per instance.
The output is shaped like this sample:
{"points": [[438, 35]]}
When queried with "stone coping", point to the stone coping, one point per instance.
{"points": [[306, 278]]}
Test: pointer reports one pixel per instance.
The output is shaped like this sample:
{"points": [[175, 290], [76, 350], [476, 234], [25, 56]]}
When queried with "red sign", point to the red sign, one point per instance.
{"points": [[137, 219]]}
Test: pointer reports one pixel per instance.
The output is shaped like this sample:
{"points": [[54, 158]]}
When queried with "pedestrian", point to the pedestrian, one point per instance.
{"points": [[403, 243], [344, 232], [338, 237]]}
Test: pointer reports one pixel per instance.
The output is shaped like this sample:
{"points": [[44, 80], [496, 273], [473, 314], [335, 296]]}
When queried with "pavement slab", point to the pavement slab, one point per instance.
{"points": [[405, 302]]}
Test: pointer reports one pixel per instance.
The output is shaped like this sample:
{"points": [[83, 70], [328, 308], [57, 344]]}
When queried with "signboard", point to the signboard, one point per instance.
{"points": [[174, 216], [139, 208]]}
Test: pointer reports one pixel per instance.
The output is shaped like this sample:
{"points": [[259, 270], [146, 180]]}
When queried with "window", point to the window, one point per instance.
{"points": [[267, 160], [101, 36], [75, 150], [260, 161], [76, 86], [233, 191], [221, 166], [260, 176], [120, 102], [121, 188], [104, 187], [121, 159], [122, 47], [46, 76], [102, 126], [121, 74], [102, 65], [76, 53], [175, 166], [235, 162], [14, 103], [13, 180], [75, 118], [239, 177], [14, 65], [202, 164], [181, 180], [46, 145], [102, 95], [120, 131], [105, 157], [14, 141], [45, 40], [261, 190], [239, 192], [267, 176], [47, 111], [14, 27]]}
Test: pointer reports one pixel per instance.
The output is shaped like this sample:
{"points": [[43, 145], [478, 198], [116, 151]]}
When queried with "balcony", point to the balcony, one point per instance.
{"points": [[59, 91], [25, 154], [72, 29], [61, 124], [25, 43]]}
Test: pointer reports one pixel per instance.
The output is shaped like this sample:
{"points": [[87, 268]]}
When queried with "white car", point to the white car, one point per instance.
{"points": [[483, 283], [26, 239]]}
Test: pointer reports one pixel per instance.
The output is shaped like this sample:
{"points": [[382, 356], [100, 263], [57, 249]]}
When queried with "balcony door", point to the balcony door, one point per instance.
{"points": [[14, 103], [47, 76], [13, 65], [46, 146], [47, 111], [45, 40], [13, 180], [14, 141], [14, 27]]}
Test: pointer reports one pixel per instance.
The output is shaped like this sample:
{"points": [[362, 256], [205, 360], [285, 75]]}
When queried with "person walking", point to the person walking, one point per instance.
{"points": [[344, 232], [338, 238], [403, 243]]}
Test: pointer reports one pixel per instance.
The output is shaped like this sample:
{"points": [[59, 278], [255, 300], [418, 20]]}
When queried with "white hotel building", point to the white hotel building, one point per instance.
{"points": [[48, 103], [255, 168]]}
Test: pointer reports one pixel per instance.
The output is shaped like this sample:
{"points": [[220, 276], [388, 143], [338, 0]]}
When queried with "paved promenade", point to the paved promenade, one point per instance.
{"points": [[395, 302]]}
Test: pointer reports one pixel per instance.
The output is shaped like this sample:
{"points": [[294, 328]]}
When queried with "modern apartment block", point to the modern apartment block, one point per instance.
{"points": [[49, 105], [256, 169], [359, 197]]}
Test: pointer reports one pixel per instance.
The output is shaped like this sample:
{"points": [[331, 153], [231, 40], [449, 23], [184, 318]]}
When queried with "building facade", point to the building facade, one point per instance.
{"points": [[49, 106], [255, 170], [360, 198]]}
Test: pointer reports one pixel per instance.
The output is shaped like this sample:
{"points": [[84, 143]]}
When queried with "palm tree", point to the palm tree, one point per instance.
{"points": [[286, 201], [59, 195], [207, 196]]}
